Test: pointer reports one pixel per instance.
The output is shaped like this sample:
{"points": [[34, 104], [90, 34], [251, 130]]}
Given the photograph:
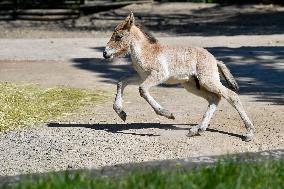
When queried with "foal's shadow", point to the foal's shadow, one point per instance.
{"points": [[122, 128]]}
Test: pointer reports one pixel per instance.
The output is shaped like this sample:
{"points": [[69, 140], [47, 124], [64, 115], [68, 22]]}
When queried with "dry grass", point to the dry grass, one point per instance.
{"points": [[26, 105]]}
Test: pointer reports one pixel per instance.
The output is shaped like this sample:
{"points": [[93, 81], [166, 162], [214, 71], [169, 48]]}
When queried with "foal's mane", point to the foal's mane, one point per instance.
{"points": [[146, 32]]}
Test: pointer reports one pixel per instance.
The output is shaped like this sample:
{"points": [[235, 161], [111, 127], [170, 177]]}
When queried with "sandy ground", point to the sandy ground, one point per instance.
{"points": [[100, 138], [249, 39]]}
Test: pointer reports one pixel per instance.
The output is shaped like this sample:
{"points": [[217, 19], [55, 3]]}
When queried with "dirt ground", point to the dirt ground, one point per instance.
{"points": [[100, 138]]}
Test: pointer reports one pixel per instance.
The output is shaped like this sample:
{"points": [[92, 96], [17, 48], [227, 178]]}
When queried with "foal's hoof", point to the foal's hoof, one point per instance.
{"points": [[171, 116], [193, 132], [122, 115], [247, 137], [166, 113]]}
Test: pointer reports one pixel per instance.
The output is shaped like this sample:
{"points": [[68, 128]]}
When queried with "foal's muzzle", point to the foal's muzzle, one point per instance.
{"points": [[106, 56]]}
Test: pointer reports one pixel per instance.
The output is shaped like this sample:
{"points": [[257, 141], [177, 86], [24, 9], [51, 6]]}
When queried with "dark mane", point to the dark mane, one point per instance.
{"points": [[146, 32]]}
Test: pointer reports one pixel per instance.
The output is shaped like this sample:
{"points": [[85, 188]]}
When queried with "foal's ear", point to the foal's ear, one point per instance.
{"points": [[129, 21]]}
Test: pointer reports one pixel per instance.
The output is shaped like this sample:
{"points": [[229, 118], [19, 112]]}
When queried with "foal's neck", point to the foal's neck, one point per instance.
{"points": [[136, 49], [139, 43]]}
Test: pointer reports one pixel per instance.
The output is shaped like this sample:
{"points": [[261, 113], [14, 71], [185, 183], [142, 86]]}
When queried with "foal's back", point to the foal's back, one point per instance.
{"points": [[182, 63]]}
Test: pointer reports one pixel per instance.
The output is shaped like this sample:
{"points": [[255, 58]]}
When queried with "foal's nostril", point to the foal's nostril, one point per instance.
{"points": [[105, 54]]}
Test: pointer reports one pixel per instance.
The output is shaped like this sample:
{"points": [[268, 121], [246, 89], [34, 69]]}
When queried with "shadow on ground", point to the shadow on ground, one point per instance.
{"points": [[259, 70], [210, 21], [123, 128]]}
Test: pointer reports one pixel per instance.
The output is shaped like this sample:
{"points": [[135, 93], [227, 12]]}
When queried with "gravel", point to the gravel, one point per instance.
{"points": [[100, 138]]}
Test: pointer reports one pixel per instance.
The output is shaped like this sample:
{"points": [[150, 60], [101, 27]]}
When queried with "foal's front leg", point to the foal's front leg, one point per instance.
{"points": [[152, 80], [117, 106]]}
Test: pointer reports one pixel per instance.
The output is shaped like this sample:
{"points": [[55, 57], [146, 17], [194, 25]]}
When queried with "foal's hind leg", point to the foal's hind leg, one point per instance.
{"points": [[213, 101], [217, 88]]}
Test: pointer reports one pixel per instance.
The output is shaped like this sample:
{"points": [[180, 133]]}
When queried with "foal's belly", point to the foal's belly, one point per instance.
{"points": [[178, 79]]}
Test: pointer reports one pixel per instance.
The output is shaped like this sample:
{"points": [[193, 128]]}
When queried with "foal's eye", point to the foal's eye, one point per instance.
{"points": [[118, 37]]}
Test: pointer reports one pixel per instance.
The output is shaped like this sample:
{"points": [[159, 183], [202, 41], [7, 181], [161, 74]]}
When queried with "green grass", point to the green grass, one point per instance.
{"points": [[231, 175], [27, 105]]}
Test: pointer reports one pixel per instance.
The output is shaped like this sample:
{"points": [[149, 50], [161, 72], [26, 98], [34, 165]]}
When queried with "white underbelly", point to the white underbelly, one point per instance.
{"points": [[178, 79]]}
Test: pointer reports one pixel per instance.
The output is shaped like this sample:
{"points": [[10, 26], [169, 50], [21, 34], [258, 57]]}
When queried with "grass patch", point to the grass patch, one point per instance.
{"points": [[231, 175], [26, 105]]}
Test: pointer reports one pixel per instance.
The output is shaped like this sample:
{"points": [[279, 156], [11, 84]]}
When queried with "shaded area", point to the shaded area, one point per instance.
{"points": [[38, 4], [258, 70], [107, 70], [39, 9], [210, 21], [99, 6], [174, 19], [225, 133], [122, 128]]}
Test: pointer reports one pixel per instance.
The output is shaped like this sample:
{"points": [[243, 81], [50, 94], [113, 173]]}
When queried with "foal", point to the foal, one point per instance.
{"points": [[194, 68]]}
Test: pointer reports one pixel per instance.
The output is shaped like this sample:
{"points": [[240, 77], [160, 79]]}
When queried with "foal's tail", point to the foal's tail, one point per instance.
{"points": [[225, 72]]}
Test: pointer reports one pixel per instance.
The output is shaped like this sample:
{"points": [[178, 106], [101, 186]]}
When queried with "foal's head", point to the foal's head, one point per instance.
{"points": [[120, 40]]}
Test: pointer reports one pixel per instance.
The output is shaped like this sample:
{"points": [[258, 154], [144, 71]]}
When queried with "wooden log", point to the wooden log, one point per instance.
{"points": [[6, 17], [46, 18], [6, 5], [44, 12], [6, 12]]}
